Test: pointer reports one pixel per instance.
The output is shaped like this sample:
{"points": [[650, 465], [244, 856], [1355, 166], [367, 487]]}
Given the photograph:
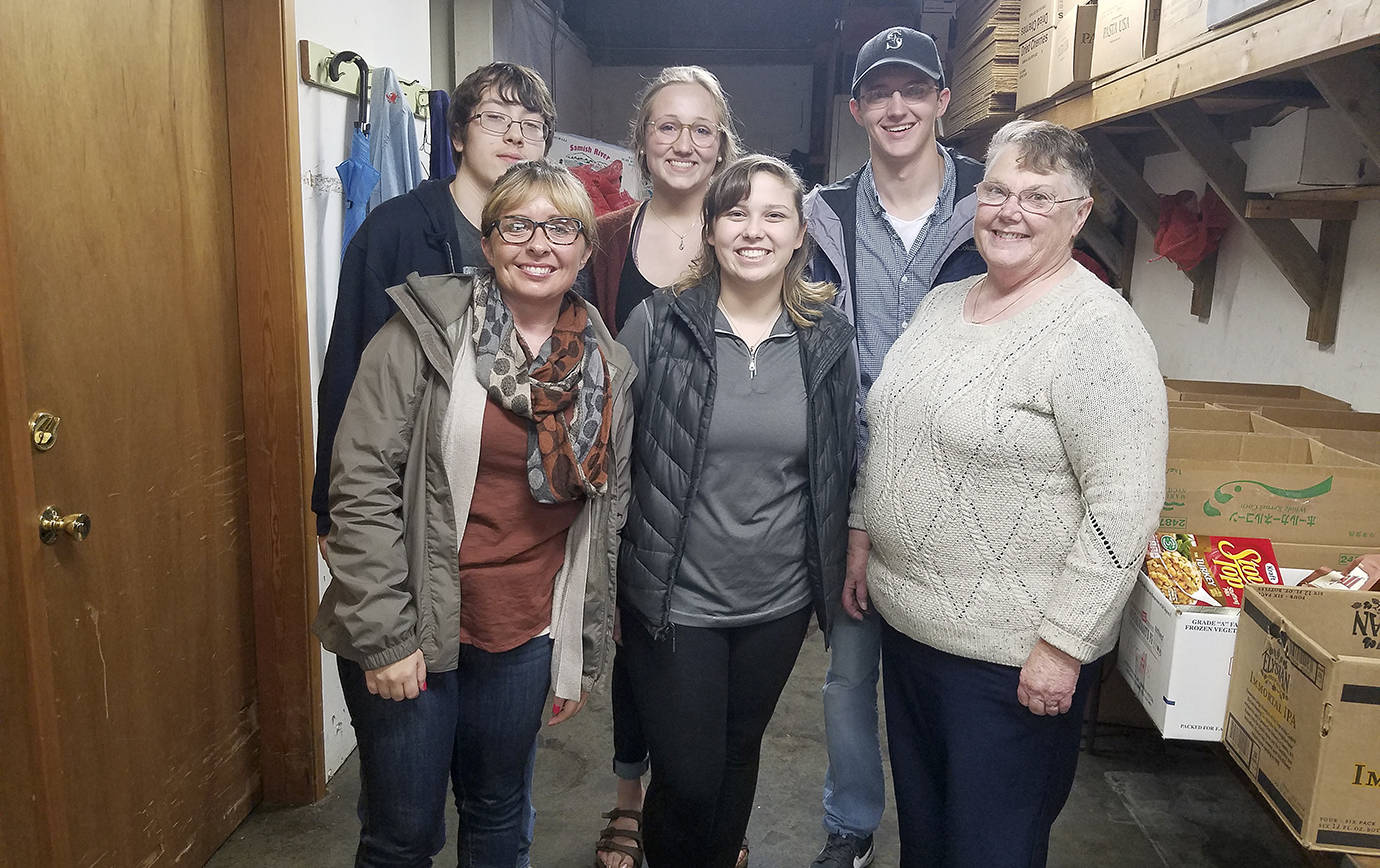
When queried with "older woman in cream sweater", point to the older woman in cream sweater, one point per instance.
{"points": [[1014, 475]]}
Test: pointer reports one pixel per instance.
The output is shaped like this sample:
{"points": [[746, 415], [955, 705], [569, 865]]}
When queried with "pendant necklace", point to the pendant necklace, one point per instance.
{"points": [[680, 235]]}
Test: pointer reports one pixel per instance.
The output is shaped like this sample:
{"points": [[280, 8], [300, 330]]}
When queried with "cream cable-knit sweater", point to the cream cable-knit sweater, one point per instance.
{"points": [[1015, 473]]}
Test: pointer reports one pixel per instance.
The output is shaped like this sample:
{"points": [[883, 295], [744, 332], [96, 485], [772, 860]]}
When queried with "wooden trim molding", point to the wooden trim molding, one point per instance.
{"points": [[270, 273]]}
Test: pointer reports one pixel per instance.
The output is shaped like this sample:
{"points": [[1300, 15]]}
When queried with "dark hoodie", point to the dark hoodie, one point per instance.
{"points": [[414, 232]]}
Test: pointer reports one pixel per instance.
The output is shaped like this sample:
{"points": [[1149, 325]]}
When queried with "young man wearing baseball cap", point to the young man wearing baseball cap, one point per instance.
{"points": [[886, 234]]}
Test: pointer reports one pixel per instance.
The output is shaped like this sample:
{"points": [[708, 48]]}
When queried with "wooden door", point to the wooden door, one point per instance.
{"points": [[115, 190]]}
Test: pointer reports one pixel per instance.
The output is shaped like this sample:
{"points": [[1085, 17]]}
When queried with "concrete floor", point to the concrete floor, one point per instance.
{"points": [[1140, 802]]}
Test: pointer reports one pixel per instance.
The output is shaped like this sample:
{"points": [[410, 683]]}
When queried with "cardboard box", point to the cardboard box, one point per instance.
{"points": [[1177, 660], [1303, 712], [1127, 31], [1355, 434], [1288, 489], [1310, 557], [1213, 418], [1038, 16], [1058, 58], [1266, 392], [1221, 12], [570, 150], [1181, 21], [1310, 148]]}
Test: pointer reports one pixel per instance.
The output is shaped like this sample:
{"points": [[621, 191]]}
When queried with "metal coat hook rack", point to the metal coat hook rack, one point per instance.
{"points": [[316, 62]]}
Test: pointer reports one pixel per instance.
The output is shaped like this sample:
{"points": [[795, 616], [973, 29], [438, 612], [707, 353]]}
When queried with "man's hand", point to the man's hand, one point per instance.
{"points": [[855, 574], [404, 679], [1048, 679]]}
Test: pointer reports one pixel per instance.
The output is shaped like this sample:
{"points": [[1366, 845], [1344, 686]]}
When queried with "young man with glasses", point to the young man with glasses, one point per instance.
{"points": [[886, 234], [499, 115]]}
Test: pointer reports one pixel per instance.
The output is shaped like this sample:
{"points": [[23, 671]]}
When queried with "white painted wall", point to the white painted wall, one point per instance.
{"points": [[771, 103], [396, 34], [1256, 331], [523, 33]]}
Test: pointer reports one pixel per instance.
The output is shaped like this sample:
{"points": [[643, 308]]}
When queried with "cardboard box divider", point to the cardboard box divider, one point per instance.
{"points": [[1252, 391]]}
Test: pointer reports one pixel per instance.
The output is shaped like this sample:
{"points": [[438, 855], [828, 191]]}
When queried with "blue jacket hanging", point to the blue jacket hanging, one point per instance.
{"points": [[393, 149]]}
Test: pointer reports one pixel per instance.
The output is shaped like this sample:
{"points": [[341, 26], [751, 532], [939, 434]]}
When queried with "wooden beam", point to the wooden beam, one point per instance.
{"points": [[1203, 276], [1309, 32], [1351, 85], [1123, 179], [271, 280], [1332, 194], [1226, 172], [1126, 232], [1099, 237], [1332, 247], [1299, 209]]}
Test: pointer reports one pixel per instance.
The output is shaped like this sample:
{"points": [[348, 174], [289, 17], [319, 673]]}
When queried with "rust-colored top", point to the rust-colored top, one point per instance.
{"points": [[513, 546]]}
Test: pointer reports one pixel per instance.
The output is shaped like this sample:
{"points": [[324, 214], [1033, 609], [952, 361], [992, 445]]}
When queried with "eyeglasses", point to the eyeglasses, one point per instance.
{"points": [[519, 230], [1033, 201], [666, 131], [913, 94], [499, 124]]}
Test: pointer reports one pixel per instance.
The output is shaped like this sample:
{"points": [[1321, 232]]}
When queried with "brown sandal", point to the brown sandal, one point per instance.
{"points": [[608, 842], [742, 854]]}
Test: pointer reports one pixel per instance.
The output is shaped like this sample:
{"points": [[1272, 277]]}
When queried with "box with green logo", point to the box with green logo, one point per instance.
{"points": [[1289, 489], [1303, 711]]}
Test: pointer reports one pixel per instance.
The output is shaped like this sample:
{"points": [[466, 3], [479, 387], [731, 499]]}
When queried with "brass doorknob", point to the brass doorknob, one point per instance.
{"points": [[51, 522]]}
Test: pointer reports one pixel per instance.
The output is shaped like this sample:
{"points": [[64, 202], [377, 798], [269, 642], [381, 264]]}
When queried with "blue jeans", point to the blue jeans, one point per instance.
{"points": [[854, 790], [474, 727]]}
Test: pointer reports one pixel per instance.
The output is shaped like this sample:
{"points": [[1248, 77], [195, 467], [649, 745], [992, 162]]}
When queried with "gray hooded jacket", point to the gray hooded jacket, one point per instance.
{"points": [[402, 479]]}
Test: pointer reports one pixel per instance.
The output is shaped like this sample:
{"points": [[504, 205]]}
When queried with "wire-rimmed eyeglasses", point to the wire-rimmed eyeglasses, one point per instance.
{"points": [[499, 124], [1034, 201]]}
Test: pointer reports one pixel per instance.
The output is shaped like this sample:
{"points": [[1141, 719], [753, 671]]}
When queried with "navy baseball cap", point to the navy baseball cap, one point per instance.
{"points": [[899, 45]]}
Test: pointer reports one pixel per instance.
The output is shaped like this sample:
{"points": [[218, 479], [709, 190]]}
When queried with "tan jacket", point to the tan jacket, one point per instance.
{"points": [[399, 508]]}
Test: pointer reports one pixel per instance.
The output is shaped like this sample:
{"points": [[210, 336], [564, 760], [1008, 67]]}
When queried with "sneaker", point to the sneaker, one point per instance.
{"points": [[845, 851]]}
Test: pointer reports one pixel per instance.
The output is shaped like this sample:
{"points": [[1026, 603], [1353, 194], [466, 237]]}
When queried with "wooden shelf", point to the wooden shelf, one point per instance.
{"points": [[1211, 91], [1281, 38]]}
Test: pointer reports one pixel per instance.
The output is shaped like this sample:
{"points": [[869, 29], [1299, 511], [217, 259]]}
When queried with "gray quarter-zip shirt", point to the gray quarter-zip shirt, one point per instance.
{"points": [[744, 557]]}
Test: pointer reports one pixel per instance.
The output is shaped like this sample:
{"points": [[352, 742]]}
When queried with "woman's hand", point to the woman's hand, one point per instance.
{"points": [[855, 574], [321, 545], [564, 709], [1048, 679], [398, 681]]}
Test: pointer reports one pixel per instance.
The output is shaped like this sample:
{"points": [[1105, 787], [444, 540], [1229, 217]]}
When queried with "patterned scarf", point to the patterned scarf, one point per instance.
{"points": [[563, 389]]}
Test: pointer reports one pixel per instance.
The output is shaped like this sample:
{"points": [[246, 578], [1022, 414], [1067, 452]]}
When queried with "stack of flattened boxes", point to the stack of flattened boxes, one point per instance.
{"points": [[982, 73]]}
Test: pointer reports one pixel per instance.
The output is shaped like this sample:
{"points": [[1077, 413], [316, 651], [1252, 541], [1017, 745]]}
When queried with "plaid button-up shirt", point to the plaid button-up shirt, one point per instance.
{"points": [[891, 280]]}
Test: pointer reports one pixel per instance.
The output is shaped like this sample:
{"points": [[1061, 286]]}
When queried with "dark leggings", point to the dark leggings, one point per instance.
{"points": [[704, 697], [629, 747]]}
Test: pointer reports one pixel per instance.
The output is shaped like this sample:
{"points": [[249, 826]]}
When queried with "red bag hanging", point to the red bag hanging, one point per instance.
{"points": [[604, 186], [1190, 229]]}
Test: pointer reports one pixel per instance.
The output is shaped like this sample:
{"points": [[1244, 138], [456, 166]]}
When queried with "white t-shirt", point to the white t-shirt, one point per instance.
{"points": [[908, 230]]}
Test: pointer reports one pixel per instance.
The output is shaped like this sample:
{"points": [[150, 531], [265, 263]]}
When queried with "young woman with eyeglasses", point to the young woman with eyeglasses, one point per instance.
{"points": [[683, 135], [452, 613]]}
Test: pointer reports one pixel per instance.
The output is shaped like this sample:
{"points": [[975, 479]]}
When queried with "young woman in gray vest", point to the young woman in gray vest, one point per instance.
{"points": [[741, 463]]}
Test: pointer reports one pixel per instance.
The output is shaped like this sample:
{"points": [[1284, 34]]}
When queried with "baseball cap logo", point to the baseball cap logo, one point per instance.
{"points": [[893, 40]]}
